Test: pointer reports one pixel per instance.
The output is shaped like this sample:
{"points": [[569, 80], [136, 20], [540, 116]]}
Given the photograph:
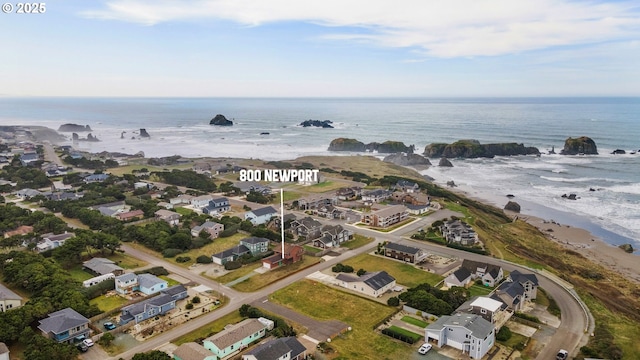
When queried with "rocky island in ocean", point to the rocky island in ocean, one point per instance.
{"points": [[74, 128], [345, 144], [471, 149], [326, 124], [220, 120], [576, 146]]}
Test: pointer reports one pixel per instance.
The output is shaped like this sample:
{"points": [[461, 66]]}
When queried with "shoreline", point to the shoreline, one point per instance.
{"points": [[575, 238]]}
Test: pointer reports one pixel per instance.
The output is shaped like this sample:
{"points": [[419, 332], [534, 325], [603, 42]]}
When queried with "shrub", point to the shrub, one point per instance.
{"points": [[183, 259], [400, 336], [232, 265], [156, 270], [106, 339], [196, 300], [393, 301], [504, 334], [169, 253], [342, 268], [204, 259], [189, 306], [361, 272], [527, 317]]}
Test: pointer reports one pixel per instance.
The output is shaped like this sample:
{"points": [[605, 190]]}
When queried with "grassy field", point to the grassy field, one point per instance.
{"points": [[209, 329], [288, 196], [369, 165], [218, 245], [357, 241], [405, 274], [405, 332], [126, 261], [325, 303], [514, 340], [261, 280], [78, 274], [310, 249], [108, 303], [414, 321], [326, 186], [479, 290], [170, 281], [182, 211], [238, 273]]}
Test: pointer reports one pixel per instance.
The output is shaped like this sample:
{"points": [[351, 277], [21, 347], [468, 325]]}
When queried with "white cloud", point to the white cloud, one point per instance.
{"points": [[445, 29]]}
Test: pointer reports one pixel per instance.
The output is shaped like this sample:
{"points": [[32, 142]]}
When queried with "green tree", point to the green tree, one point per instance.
{"points": [[151, 355]]}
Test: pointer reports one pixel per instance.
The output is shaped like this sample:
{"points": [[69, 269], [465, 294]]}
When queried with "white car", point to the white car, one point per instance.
{"points": [[424, 348], [562, 355], [88, 342]]}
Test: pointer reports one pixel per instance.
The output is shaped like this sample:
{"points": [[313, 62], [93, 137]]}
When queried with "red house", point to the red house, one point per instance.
{"points": [[292, 254]]}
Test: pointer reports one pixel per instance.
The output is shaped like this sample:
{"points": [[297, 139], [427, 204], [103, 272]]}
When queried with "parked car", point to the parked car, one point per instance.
{"points": [[562, 355], [82, 347], [88, 342], [109, 325], [424, 348]]}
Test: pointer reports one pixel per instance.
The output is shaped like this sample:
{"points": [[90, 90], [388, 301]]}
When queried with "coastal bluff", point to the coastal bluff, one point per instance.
{"points": [[581, 145], [74, 128], [220, 120], [346, 144], [471, 149]]}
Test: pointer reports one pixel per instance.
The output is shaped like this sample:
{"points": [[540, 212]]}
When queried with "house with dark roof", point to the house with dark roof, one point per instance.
{"points": [[329, 212], [517, 291], [371, 284], [172, 218], [148, 308], [469, 333], [51, 241], [193, 351], [315, 202], [407, 186], [252, 186], [102, 266], [9, 299], [64, 325], [212, 228], [217, 206], [403, 252], [490, 274], [256, 245], [261, 216], [147, 284], [461, 278], [292, 254], [349, 193], [375, 196], [286, 348], [28, 158], [456, 231], [385, 217], [95, 178], [307, 227], [332, 236], [232, 254], [235, 338]]}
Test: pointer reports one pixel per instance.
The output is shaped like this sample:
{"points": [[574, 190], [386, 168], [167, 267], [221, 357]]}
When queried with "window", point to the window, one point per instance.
{"points": [[483, 311]]}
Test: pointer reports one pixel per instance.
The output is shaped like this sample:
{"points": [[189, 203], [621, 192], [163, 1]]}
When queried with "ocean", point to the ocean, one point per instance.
{"points": [[608, 186]]}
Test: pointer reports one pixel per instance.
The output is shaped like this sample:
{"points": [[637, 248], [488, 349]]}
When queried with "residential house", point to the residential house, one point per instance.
{"points": [[177, 292], [217, 206], [385, 217], [407, 186], [21, 230], [27, 159], [292, 254], [97, 280], [307, 227], [286, 348], [4, 351], [27, 193], [490, 274], [410, 198], [246, 187], [274, 224], [8, 299], [193, 351], [261, 216], [405, 253], [461, 277], [469, 333], [182, 199], [212, 228], [375, 196], [148, 308], [96, 178], [458, 232], [147, 284], [316, 202], [348, 194], [64, 326], [232, 254], [142, 185], [371, 284], [172, 218], [332, 235], [130, 215], [235, 338], [229, 169], [102, 266], [111, 209], [165, 205], [517, 291], [63, 195], [417, 209], [329, 212], [201, 201], [256, 245], [489, 309], [51, 241]]}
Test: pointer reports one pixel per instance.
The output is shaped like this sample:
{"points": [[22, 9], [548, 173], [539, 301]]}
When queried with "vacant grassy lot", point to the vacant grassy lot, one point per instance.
{"points": [[238, 273], [324, 303], [108, 303], [326, 186], [479, 290], [357, 241], [369, 165], [310, 249], [414, 321], [218, 245], [209, 329], [78, 274], [261, 280], [170, 281], [405, 274], [126, 261]]}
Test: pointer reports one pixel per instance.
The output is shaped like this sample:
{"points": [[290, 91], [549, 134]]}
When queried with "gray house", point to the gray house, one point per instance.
{"points": [[64, 325], [261, 216], [157, 305], [232, 254], [469, 333], [256, 245], [288, 348], [102, 266]]}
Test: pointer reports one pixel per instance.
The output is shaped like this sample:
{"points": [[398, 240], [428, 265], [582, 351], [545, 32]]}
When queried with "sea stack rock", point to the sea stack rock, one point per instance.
{"points": [[512, 206], [407, 160], [582, 145], [73, 128], [470, 149], [317, 123], [92, 138], [144, 133], [220, 120], [444, 162], [389, 147], [345, 144]]}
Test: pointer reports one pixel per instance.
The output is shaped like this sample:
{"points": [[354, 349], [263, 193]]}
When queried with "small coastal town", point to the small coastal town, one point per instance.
{"points": [[114, 256]]}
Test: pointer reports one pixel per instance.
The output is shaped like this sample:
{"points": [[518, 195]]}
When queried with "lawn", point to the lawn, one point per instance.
{"points": [[261, 280], [170, 281], [183, 211], [325, 186], [479, 290], [218, 245], [126, 261], [357, 241], [413, 321], [288, 196], [78, 274], [108, 303], [325, 303], [310, 249], [210, 328], [514, 340], [236, 274], [405, 332], [405, 274]]}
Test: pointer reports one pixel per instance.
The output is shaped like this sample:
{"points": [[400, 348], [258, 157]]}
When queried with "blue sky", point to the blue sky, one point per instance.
{"points": [[297, 48]]}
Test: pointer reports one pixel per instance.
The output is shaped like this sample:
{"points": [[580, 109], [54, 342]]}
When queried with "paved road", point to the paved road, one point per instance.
{"points": [[50, 154]]}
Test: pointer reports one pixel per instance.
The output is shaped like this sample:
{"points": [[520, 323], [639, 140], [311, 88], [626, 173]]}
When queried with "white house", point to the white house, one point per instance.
{"points": [[201, 201], [261, 216], [372, 284], [469, 333]]}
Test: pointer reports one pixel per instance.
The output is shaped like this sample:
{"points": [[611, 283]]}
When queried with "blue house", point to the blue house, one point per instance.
{"points": [[64, 325], [235, 338], [260, 216], [256, 245], [157, 305], [145, 283]]}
